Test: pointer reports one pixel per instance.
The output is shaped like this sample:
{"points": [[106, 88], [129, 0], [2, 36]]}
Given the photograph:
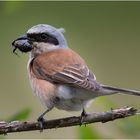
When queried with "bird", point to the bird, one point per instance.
{"points": [[58, 75]]}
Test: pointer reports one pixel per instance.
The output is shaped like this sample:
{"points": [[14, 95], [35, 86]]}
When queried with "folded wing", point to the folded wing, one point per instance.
{"points": [[63, 66]]}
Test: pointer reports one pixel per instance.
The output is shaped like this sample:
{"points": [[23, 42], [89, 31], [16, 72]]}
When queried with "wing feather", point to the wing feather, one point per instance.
{"points": [[65, 70]]}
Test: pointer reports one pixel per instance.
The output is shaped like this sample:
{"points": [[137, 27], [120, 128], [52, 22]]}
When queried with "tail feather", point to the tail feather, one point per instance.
{"points": [[121, 90]]}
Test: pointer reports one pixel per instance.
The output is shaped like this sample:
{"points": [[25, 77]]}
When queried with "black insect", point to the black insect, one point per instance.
{"points": [[22, 44]]}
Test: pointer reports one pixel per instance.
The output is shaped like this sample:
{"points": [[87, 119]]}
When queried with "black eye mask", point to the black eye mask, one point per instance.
{"points": [[43, 37]]}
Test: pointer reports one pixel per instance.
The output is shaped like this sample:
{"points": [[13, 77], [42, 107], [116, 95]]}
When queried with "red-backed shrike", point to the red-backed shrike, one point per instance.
{"points": [[59, 76]]}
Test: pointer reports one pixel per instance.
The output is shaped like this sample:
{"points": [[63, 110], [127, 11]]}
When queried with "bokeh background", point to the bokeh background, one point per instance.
{"points": [[105, 34]]}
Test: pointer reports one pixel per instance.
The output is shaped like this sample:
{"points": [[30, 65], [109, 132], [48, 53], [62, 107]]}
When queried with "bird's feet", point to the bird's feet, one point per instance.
{"points": [[41, 122], [83, 115]]}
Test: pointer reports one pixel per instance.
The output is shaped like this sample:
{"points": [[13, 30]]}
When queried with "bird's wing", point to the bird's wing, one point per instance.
{"points": [[64, 66]]}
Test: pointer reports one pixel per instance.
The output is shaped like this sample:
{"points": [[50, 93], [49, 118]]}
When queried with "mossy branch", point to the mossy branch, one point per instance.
{"points": [[113, 114]]}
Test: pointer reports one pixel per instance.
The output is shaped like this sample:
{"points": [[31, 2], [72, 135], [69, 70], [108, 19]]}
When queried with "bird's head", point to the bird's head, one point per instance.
{"points": [[40, 38]]}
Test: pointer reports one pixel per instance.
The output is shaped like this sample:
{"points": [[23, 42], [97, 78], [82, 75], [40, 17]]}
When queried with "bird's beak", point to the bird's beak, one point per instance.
{"points": [[22, 43]]}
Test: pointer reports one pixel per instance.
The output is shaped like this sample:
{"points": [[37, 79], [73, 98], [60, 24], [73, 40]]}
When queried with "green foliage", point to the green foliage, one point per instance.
{"points": [[130, 126], [108, 104], [12, 6], [87, 132], [21, 115]]}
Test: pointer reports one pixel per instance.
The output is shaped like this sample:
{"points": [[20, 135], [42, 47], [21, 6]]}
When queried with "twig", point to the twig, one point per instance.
{"points": [[18, 126]]}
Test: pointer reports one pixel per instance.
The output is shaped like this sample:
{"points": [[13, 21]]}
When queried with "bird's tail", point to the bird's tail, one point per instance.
{"points": [[114, 90]]}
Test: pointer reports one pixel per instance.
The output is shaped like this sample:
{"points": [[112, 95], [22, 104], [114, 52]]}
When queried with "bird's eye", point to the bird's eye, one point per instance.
{"points": [[43, 36]]}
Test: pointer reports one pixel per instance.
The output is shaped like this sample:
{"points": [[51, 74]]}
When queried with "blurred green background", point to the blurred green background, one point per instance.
{"points": [[105, 34]]}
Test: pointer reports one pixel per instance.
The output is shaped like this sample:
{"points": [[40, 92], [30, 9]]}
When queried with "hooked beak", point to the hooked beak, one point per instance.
{"points": [[23, 44]]}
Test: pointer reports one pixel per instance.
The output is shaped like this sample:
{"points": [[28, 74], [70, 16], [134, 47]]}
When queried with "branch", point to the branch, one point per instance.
{"points": [[18, 126]]}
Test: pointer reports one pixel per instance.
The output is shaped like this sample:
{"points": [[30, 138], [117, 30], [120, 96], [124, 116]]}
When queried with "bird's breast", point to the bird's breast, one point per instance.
{"points": [[43, 89]]}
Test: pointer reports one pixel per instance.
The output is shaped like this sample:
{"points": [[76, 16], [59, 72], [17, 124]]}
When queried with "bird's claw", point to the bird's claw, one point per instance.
{"points": [[41, 123], [83, 115]]}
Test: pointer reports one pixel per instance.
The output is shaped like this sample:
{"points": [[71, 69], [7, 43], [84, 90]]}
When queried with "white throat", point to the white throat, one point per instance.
{"points": [[41, 47]]}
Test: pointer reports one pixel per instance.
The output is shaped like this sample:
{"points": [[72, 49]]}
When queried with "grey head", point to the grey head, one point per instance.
{"points": [[40, 34], [55, 34]]}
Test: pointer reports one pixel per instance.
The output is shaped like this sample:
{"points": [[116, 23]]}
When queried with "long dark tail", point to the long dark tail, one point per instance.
{"points": [[121, 90]]}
